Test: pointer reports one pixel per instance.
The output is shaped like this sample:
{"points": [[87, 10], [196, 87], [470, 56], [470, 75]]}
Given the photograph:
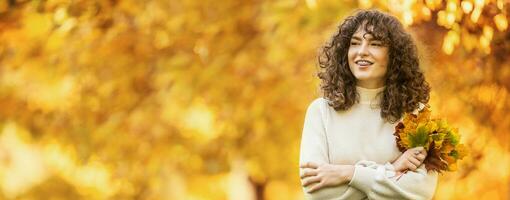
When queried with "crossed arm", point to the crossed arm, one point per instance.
{"points": [[367, 178], [324, 175]]}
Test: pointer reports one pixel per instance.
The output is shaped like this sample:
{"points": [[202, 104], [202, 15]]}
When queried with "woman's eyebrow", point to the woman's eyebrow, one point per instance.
{"points": [[356, 38]]}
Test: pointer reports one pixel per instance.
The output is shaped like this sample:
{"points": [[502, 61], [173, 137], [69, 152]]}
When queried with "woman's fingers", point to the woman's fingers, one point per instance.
{"points": [[308, 172], [413, 152], [316, 187], [414, 161], [423, 151], [419, 149], [418, 152], [421, 157], [411, 166], [309, 165], [309, 180], [411, 159]]}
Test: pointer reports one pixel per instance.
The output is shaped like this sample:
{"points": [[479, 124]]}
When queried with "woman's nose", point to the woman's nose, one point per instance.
{"points": [[363, 50]]}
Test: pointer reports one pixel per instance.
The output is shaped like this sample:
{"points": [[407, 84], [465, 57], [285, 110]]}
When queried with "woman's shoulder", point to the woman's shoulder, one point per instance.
{"points": [[318, 103], [318, 108]]}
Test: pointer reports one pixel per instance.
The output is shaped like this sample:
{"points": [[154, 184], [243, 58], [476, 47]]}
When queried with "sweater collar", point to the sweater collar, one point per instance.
{"points": [[369, 96]]}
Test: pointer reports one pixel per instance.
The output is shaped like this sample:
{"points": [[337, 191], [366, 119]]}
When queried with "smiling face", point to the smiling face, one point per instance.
{"points": [[368, 59]]}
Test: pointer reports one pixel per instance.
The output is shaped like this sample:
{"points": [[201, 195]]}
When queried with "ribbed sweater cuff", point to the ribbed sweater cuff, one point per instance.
{"points": [[363, 178]]}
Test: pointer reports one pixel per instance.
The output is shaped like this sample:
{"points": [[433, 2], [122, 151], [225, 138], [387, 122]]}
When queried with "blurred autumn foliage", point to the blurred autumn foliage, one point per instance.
{"points": [[156, 99]]}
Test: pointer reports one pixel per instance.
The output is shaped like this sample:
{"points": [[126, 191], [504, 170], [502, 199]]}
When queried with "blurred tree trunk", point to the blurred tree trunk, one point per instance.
{"points": [[259, 188]]}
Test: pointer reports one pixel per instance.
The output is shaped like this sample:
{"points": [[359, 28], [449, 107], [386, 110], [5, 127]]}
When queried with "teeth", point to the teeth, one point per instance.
{"points": [[363, 62]]}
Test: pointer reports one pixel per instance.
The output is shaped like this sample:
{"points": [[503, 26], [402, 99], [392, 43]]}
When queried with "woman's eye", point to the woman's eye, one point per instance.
{"points": [[376, 44], [354, 43]]}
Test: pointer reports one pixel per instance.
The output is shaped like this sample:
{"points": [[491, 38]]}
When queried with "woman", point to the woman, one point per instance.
{"points": [[370, 77]]}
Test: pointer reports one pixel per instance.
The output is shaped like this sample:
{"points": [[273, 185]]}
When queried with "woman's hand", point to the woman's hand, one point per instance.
{"points": [[324, 175], [410, 159]]}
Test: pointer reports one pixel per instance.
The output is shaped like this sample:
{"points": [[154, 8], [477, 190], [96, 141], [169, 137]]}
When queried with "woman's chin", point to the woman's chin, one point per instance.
{"points": [[364, 77]]}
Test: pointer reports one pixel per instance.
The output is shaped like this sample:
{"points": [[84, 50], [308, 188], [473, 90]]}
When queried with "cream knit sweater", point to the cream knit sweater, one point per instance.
{"points": [[360, 137]]}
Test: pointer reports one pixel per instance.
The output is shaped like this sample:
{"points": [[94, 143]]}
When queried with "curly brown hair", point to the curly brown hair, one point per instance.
{"points": [[406, 86]]}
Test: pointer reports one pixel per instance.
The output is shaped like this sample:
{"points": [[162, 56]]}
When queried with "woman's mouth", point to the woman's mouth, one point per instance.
{"points": [[363, 63]]}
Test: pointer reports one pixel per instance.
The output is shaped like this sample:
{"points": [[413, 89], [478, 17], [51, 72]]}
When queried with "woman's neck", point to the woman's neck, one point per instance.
{"points": [[370, 95], [370, 84]]}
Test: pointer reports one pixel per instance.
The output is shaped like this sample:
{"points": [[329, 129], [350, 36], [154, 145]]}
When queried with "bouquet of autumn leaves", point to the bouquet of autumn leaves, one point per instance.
{"points": [[435, 135]]}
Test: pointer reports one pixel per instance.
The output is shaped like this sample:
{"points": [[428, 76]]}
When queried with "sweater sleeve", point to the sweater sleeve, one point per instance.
{"points": [[379, 182], [314, 148]]}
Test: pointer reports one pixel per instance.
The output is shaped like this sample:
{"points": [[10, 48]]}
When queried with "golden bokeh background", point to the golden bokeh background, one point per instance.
{"points": [[158, 99]]}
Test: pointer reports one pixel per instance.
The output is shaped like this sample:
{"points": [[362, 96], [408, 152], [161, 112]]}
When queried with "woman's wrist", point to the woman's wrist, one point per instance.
{"points": [[348, 172]]}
